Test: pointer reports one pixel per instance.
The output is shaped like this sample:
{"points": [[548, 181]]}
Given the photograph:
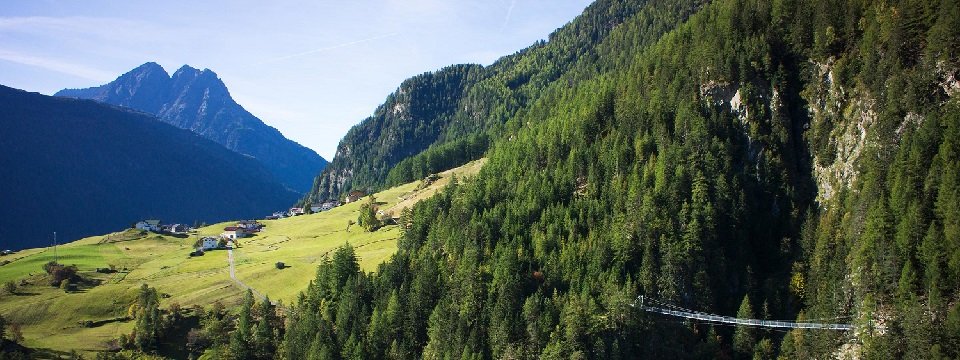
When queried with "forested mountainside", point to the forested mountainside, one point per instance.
{"points": [[785, 159], [443, 119], [82, 168], [199, 101]]}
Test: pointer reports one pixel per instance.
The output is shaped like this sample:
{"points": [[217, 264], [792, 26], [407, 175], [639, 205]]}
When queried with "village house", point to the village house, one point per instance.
{"points": [[233, 233], [179, 229], [296, 211], [277, 215], [250, 225], [209, 243], [148, 225], [324, 206], [354, 196], [329, 205]]}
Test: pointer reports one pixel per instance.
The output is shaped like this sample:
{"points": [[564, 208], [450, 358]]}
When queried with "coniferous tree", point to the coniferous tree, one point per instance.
{"points": [[745, 337]]}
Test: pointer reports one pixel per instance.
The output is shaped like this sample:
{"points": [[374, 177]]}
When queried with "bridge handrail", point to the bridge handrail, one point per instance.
{"points": [[738, 321]]}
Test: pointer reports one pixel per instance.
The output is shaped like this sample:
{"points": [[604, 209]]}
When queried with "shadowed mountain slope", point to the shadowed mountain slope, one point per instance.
{"points": [[81, 168]]}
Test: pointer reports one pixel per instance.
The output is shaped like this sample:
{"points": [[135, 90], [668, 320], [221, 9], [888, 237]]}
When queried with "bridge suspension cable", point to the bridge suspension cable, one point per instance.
{"points": [[654, 306]]}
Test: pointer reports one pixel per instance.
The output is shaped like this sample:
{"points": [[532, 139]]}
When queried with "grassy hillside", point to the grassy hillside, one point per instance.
{"points": [[51, 318]]}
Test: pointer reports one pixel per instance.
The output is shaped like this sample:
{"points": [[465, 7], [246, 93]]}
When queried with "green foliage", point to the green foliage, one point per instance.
{"points": [[10, 287], [745, 337], [326, 321], [258, 330], [368, 219], [215, 326], [764, 350], [681, 157], [408, 122], [437, 158], [148, 328], [60, 273]]}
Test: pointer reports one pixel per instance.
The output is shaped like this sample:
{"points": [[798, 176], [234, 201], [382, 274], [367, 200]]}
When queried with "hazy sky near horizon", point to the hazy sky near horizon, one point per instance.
{"points": [[312, 69]]}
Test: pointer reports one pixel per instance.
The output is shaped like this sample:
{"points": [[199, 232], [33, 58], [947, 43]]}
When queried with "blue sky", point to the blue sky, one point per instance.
{"points": [[312, 69]]}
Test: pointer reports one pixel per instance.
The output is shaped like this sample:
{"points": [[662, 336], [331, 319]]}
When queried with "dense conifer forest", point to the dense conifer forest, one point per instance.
{"points": [[783, 159]]}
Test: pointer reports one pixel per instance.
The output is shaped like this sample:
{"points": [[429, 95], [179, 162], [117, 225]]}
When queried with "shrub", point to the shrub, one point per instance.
{"points": [[58, 273]]}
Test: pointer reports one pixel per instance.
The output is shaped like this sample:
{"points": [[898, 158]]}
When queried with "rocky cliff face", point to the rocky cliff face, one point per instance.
{"points": [[199, 101], [414, 117]]}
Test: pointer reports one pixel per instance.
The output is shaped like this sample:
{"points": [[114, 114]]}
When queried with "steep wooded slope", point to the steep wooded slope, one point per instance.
{"points": [[784, 159]]}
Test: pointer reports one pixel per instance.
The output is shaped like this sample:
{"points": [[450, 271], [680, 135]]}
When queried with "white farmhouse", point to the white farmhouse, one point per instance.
{"points": [[233, 233], [148, 225], [329, 205], [209, 243]]}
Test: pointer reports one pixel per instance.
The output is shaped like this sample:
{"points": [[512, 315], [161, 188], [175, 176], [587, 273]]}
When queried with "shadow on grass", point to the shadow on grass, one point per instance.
{"points": [[49, 354], [99, 323]]}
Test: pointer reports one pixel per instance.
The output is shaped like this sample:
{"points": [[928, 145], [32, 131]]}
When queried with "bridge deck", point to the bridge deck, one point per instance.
{"points": [[684, 313]]}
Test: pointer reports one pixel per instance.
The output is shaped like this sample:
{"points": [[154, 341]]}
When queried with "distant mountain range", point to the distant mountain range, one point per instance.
{"points": [[197, 100], [81, 168]]}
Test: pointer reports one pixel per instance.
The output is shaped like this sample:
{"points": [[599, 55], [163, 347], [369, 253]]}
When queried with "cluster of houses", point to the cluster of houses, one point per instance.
{"points": [[158, 227], [245, 228], [353, 196], [297, 211], [230, 234], [242, 229], [327, 205]]}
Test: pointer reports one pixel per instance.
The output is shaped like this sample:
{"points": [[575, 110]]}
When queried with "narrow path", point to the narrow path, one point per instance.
{"points": [[233, 276]]}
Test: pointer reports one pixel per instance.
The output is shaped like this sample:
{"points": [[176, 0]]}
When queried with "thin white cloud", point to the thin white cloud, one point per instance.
{"points": [[57, 65], [506, 19], [328, 48]]}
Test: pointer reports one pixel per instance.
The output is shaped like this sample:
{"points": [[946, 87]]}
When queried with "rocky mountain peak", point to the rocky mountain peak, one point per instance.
{"points": [[198, 100]]}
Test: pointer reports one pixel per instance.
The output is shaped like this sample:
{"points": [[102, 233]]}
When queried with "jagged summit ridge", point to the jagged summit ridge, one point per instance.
{"points": [[198, 100]]}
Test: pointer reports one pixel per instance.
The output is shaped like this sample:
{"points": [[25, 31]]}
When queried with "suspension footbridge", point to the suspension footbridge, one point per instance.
{"points": [[658, 307]]}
